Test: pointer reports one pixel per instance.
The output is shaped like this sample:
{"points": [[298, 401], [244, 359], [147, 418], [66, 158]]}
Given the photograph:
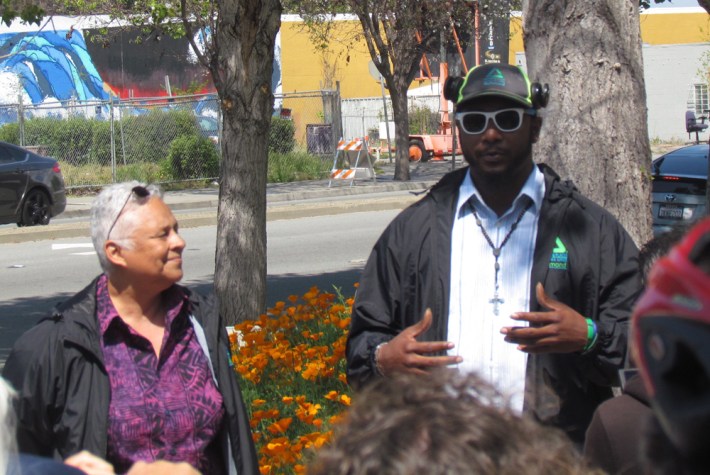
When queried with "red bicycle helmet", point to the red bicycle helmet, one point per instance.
{"points": [[671, 341]]}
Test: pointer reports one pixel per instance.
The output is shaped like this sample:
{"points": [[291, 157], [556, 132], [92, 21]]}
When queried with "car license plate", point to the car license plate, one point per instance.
{"points": [[670, 212]]}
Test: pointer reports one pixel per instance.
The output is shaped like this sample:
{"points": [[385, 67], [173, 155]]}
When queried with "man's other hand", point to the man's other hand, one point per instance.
{"points": [[559, 329]]}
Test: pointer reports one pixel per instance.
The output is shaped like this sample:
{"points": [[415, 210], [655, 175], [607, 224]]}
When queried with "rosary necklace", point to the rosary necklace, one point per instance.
{"points": [[497, 300]]}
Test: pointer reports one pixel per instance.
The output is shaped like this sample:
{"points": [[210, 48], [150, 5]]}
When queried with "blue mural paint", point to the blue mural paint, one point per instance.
{"points": [[61, 65], [51, 66]]}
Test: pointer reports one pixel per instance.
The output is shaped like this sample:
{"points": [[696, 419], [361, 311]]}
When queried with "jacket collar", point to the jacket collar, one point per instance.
{"points": [[79, 317], [448, 187], [556, 188]]}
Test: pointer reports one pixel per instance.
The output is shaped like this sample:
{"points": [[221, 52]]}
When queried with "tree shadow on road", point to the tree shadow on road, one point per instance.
{"points": [[19, 315], [280, 287]]}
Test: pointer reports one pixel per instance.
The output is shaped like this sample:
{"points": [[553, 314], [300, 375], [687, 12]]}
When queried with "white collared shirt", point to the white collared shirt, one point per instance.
{"points": [[473, 327]]}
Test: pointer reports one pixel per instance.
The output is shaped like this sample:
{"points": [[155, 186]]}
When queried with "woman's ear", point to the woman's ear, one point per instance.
{"points": [[114, 253]]}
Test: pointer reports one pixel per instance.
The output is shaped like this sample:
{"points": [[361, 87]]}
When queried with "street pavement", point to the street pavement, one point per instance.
{"points": [[198, 207]]}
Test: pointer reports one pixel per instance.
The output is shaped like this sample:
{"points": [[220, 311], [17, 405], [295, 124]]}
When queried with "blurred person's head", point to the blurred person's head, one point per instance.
{"points": [[443, 423], [8, 444], [671, 345], [658, 247]]}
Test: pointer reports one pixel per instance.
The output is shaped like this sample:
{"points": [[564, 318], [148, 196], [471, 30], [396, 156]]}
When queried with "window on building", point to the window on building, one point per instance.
{"points": [[700, 99]]}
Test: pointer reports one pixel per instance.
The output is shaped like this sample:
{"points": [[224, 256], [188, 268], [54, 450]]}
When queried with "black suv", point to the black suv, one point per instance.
{"points": [[679, 186]]}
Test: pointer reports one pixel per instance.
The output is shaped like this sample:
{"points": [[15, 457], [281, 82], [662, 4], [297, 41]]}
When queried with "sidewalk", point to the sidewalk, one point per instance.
{"points": [[198, 207]]}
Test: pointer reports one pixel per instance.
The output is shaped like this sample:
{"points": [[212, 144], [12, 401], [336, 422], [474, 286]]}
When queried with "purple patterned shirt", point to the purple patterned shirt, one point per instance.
{"points": [[165, 408]]}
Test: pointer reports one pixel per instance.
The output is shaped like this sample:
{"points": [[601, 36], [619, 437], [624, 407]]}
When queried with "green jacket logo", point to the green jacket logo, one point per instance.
{"points": [[559, 257]]}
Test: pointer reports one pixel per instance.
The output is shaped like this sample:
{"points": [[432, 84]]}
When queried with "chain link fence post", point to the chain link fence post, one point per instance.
{"points": [[113, 141], [337, 118], [21, 120]]}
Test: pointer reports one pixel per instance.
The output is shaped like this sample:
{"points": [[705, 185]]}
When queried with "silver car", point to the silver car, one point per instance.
{"points": [[31, 187], [679, 187]]}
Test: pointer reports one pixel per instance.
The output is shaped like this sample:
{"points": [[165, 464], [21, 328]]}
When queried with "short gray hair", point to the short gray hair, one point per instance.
{"points": [[8, 444], [114, 207]]}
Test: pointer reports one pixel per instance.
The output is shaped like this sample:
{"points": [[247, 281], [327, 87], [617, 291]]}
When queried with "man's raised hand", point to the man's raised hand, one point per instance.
{"points": [[405, 354]]}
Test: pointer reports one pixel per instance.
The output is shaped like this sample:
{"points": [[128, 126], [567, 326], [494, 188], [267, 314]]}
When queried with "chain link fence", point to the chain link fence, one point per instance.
{"points": [[366, 117], [164, 140], [316, 119]]}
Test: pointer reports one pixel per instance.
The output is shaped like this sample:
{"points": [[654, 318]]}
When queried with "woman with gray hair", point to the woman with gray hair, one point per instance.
{"points": [[12, 463], [8, 447], [134, 367]]}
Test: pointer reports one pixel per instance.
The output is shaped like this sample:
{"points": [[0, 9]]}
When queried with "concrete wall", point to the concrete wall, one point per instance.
{"points": [[670, 72]]}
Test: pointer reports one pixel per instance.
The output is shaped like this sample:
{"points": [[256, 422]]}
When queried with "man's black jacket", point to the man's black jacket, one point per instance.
{"points": [[597, 275]]}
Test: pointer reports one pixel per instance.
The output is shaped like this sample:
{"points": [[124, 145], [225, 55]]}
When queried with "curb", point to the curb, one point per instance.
{"points": [[279, 206]]}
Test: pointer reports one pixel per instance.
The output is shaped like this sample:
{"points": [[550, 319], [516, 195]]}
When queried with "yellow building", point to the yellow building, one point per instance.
{"points": [[304, 66], [659, 26], [675, 42]]}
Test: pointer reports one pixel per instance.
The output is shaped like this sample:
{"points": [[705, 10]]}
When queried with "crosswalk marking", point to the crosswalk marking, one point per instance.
{"points": [[75, 245], [59, 247]]}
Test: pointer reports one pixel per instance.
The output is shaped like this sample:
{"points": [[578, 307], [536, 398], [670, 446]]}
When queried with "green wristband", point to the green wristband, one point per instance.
{"points": [[591, 335]]}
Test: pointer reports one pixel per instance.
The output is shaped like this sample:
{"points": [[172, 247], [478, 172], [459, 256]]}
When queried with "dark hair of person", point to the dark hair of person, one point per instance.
{"points": [[657, 247]]}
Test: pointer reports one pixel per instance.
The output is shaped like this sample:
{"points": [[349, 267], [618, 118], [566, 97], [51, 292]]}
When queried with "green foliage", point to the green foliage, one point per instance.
{"points": [[647, 4], [80, 176], [155, 18], [79, 141], [281, 135], [295, 166], [10, 133], [29, 13], [423, 120], [75, 140], [145, 137], [195, 87], [191, 156], [324, 7], [156, 146]]}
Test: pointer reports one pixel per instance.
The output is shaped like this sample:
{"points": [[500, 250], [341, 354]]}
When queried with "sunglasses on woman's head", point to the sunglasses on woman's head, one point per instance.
{"points": [[140, 192], [505, 120]]}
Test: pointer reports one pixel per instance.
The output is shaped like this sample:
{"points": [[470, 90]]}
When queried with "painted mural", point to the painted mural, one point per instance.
{"points": [[64, 64], [133, 65], [50, 65]]}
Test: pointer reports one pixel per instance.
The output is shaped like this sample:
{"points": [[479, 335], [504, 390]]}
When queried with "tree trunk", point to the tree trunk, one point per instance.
{"points": [[401, 133], [244, 42], [595, 126]]}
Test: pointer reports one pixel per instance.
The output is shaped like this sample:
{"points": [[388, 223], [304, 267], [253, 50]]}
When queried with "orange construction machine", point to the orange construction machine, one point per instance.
{"points": [[426, 146]]}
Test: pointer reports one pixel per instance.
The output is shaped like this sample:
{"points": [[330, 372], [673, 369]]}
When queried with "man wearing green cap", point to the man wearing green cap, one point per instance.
{"points": [[502, 268]]}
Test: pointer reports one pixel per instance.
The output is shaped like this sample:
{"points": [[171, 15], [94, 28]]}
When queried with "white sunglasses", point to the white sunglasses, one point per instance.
{"points": [[505, 120]]}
